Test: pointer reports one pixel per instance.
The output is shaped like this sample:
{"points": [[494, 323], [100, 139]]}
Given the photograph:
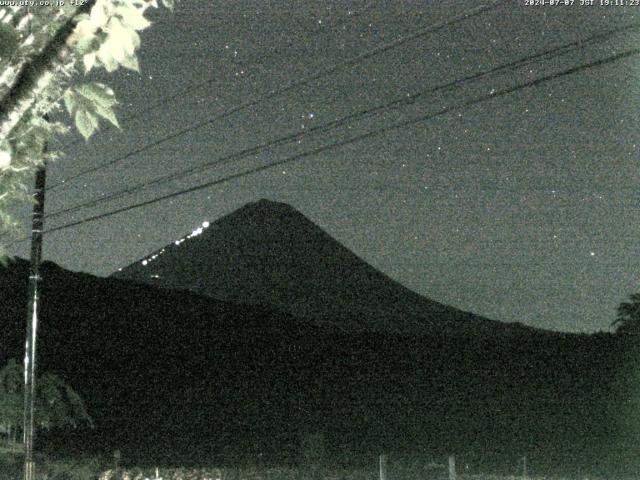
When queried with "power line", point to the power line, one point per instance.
{"points": [[405, 100], [294, 84], [351, 140], [191, 88]]}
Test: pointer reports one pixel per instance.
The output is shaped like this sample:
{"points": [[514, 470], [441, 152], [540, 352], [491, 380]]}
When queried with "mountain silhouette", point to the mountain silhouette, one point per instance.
{"points": [[269, 253], [225, 342], [188, 371], [180, 378]]}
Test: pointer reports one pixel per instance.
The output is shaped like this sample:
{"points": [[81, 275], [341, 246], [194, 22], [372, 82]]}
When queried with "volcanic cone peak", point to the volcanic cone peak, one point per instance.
{"points": [[269, 253]]}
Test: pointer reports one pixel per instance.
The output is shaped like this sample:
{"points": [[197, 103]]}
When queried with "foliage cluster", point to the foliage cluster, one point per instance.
{"points": [[628, 318], [49, 468], [57, 404], [42, 51]]}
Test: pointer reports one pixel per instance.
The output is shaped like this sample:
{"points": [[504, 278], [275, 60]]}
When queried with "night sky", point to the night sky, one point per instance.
{"points": [[522, 208]]}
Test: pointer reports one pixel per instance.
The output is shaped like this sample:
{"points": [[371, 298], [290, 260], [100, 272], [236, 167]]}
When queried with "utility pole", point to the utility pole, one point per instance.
{"points": [[452, 467], [383, 466], [32, 323]]}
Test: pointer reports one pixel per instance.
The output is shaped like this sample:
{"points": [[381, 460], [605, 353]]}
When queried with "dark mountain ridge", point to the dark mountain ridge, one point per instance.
{"points": [[268, 253], [179, 378]]}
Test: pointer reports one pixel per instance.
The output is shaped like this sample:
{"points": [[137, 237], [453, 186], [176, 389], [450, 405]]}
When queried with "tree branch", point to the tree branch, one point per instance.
{"points": [[30, 44], [36, 75]]}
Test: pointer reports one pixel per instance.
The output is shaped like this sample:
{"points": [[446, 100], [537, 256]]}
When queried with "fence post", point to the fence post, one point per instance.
{"points": [[383, 467], [452, 467]]}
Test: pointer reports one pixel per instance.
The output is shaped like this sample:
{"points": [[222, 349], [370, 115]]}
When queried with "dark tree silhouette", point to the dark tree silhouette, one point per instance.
{"points": [[57, 404], [628, 319]]}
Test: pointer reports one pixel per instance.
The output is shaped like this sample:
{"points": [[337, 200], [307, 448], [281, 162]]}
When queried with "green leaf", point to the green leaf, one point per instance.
{"points": [[5, 159], [132, 17], [131, 62], [87, 44], [97, 93], [114, 48], [110, 63], [123, 40], [98, 15], [170, 4], [89, 60], [70, 101], [86, 123], [134, 39], [108, 114]]}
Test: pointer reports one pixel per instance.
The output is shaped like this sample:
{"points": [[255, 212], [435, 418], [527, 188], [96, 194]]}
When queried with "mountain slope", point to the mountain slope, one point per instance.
{"points": [[174, 372], [269, 253], [178, 378]]}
